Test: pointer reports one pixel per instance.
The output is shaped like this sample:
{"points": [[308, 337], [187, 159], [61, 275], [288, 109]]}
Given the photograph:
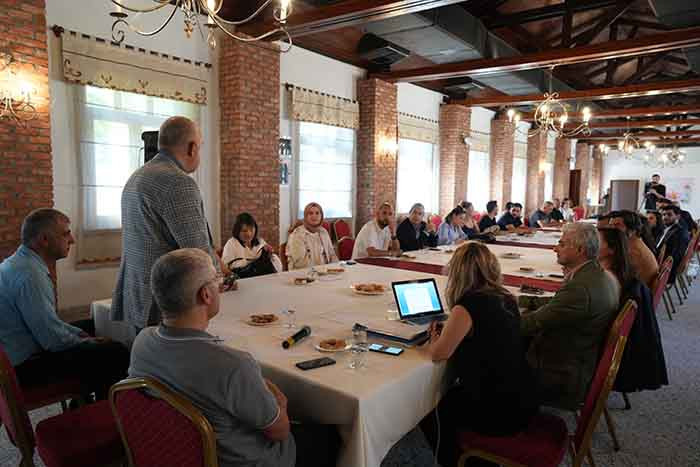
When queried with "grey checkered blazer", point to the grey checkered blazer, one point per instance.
{"points": [[162, 211]]}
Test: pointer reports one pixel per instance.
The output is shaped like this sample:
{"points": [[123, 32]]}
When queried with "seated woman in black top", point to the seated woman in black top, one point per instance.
{"points": [[488, 223], [413, 233], [470, 227], [493, 391]]}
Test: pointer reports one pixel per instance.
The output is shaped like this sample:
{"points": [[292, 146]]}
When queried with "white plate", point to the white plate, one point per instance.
{"points": [[301, 277], [249, 322], [408, 255], [321, 349], [511, 255], [362, 292]]}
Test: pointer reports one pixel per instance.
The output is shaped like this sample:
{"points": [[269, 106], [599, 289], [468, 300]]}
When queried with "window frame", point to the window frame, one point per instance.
{"points": [[434, 183]]}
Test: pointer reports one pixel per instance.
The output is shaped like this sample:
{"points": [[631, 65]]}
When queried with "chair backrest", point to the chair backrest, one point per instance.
{"points": [[579, 212], [436, 221], [13, 413], [294, 225], [476, 216], [661, 254], [603, 379], [345, 246], [341, 229], [160, 428], [661, 281], [689, 252], [526, 222], [283, 256], [326, 225]]}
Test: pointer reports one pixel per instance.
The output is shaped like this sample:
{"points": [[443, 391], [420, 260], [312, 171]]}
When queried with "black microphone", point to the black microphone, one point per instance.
{"points": [[299, 335]]}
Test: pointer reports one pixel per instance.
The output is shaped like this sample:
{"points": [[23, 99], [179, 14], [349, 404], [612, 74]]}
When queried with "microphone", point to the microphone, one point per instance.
{"points": [[299, 335]]}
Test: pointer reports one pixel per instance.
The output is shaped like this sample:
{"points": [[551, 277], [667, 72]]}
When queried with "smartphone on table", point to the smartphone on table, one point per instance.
{"points": [[395, 351], [315, 363]]}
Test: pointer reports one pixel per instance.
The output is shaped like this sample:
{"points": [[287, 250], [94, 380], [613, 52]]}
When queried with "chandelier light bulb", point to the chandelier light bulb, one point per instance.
{"points": [[647, 144], [517, 119], [586, 112], [621, 145], [284, 10], [562, 119], [211, 39]]}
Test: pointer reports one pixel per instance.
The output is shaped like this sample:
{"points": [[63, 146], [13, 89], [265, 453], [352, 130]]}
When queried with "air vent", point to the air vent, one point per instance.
{"points": [[380, 52]]}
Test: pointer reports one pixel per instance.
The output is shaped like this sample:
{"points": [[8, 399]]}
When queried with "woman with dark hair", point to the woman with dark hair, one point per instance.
{"points": [[470, 227], [245, 245], [614, 255], [450, 231], [656, 225], [493, 392]]}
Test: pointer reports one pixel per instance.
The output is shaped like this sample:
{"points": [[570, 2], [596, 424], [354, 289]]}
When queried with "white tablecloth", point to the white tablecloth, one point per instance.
{"points": [[540, 237]]}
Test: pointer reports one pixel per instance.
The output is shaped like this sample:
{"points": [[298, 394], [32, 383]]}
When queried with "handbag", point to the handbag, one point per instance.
{"points": [[256, 267]]}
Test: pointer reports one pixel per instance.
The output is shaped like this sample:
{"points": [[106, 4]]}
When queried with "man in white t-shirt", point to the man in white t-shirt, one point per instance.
{"points": [[378, 236]]}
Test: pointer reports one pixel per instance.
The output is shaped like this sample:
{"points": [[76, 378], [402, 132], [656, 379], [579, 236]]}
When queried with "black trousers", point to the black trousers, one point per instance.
{"points": [[317, 445], [97, 364]]}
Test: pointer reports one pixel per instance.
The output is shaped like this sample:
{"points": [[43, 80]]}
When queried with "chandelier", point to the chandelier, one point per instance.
{"points": [[191, 10], [15, 95], [671, 157], [628, 145], [551, 116]]}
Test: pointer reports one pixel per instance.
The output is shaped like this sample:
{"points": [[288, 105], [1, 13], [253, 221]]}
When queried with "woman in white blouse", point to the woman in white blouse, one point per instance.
{"points": [[245, 245], [309, 244], [566, 210]]}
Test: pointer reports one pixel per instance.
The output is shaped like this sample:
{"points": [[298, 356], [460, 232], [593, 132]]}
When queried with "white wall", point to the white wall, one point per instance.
{"points": [[481, 119], [415, 100], [618, 168], [80, 287]]}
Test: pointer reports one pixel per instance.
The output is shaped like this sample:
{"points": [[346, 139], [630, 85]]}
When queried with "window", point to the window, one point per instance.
{"points": [[111, 123], [517, 193], [478, 180], [326, 169], [415, 176]]}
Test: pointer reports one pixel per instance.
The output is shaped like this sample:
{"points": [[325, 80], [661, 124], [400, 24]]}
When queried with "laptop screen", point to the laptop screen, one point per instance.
{"points": [[417, 298]]}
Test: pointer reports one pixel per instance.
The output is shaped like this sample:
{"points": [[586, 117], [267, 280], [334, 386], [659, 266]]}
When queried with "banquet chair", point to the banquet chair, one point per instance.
{"points": [[283, 256], [84, 437], [160, 428], [682, 276], [436, 221], [345, 246], [545, 441], [661, 254], [659, 291], [341, 229], [477, 216], [579, 213], [326, 225]]}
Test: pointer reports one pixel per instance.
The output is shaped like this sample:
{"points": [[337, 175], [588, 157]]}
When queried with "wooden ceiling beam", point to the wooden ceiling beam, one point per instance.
{"points": [[644, 24], [643, 123], [656, 43], [666, 110], [615, 92], [606, 21], [646, 134], [547, 12], [344, 14], [661, 143]]}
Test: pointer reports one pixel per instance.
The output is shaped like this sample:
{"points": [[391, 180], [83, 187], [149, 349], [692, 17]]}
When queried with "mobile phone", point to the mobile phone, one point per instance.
{"points": [[557, 275], [395, 351], [350, 262], [434, 249], [315, 363]]}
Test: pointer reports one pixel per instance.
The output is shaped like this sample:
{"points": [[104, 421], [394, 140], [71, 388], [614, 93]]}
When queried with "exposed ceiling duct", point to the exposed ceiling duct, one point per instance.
{"points": [[680, 14], [451, 34]]}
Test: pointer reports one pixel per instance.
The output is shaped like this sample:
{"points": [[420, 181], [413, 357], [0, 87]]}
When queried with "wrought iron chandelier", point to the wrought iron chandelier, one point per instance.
{"points": [[671, 157], [551, 116], [628, 145], [15, 94], [191, 11]]}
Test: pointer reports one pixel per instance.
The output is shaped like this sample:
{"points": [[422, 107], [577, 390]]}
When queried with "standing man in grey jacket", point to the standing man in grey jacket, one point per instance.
{"points": [[162, 211]]}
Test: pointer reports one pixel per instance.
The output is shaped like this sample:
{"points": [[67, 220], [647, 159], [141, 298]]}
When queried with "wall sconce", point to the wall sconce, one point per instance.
{"points": [[467, 140], [388, 145], [15, 94]]}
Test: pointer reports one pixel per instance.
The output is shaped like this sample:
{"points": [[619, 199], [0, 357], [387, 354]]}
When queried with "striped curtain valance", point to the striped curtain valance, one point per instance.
{"points": [[418, 128], [96, 62], [307, 105], [480, 141]]}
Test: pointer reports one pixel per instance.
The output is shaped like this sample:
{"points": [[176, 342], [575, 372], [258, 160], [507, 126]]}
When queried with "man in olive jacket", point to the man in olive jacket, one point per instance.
{"points": [[569, 331]]}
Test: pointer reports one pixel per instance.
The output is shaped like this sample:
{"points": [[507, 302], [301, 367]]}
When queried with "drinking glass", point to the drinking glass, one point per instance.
{"points": [[358, 350], [291, 318]]}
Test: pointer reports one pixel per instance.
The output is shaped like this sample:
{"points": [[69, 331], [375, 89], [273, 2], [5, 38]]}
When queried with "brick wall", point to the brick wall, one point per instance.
{"points": [[536, 155], [455, 124], [26, 175], [596, 175], [249, 98], [583, 163], [562, 154], [502, 152], [376, 168]]}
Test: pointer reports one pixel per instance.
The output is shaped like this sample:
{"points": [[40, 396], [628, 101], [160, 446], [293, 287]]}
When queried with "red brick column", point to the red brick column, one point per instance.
{"points": [[596, 175], [562, 154], [536, 155], [26, 175], [584, 163], [376, 167], [502, 152], [455, 124], [249, 90]]}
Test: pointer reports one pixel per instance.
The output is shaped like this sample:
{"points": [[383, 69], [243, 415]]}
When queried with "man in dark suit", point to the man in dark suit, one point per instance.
{"points": [[653, 190], [675, 237], [511, 219], [567, 332]]}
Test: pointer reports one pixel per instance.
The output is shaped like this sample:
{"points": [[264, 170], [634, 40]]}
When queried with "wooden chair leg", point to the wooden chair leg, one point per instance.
{"points": [[684, 287], [670, 300], [611, 429], [675, 286], [628, 406], [668, 308]]}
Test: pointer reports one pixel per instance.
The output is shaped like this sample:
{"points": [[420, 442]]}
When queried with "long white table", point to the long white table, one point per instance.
{"points": [[538, 239], [373, 407]]}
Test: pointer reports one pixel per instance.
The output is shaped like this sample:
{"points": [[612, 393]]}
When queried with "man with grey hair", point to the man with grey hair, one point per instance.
{"points": [[542, 217], [248, 413], [43, 348], [568, 331], [162, 211]]}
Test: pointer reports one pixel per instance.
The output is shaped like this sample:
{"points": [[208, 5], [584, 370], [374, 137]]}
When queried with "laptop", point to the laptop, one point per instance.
{"points": [[418, 301]]}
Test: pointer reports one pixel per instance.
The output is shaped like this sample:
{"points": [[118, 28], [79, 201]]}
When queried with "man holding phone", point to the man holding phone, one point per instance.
{"points": [[653, 191]]}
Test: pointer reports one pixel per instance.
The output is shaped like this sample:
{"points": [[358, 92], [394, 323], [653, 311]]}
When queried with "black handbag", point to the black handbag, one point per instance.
{"points": [[256, 267]]}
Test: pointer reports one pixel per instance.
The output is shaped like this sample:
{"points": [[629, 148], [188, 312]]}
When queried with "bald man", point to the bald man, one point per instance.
{"points": [[162, 211]]}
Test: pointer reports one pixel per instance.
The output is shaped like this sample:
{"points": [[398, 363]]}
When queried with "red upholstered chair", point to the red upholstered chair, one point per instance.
{"points": [[436, 221], [345, 246], [341, 229], [544, 442], [579, 213], [526, 221], [659, 291], [283, 256], [326, 225], [85, 437], [476, 216], [161, 428]]}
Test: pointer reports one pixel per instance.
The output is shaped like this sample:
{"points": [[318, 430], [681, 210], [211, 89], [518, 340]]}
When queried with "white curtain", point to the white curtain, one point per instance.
{"points": [[311, 106]]}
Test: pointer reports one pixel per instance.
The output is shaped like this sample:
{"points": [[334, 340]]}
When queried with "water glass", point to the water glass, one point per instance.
{"points": [[358, 350], [291, 319]]}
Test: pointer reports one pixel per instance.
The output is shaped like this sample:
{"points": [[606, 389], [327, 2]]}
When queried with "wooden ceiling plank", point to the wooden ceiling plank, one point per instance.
{"points": [[544, 13], [605, 22], [615, 92], [656, 43]]}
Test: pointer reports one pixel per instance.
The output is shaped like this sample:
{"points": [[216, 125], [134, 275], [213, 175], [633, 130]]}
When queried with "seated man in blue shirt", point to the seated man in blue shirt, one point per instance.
{"points": [[40, 346], [248, 412], [511, 220]]}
